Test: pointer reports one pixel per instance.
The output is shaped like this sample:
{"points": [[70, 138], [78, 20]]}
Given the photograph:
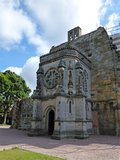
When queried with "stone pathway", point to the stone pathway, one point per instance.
{"points": [[93, 148]]}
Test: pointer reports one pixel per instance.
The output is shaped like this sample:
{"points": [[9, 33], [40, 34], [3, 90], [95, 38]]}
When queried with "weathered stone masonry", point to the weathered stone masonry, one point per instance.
{"points": [[78, 88]]}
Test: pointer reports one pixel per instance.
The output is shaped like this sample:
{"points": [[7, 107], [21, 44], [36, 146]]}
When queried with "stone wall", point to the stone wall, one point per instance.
{"points": [[105, 74], [22, 114], [94, 54]]}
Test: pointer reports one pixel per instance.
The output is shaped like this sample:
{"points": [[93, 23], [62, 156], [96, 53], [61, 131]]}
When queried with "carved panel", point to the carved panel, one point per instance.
{"points": [[51, 78]]}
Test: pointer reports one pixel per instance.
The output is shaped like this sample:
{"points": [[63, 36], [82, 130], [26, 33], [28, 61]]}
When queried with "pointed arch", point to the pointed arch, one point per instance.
{"points": [[49, 117]]}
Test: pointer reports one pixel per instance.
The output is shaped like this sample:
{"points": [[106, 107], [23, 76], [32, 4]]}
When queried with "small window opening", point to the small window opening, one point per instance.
{"points": [[70, 107]]}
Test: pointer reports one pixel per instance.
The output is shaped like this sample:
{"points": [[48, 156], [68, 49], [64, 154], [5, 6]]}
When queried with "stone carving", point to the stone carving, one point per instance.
{"points": [[85, 88], [80, 82], [51, 78], [78, 66], [62, 65], [88, 110], [38, 90], [79, 78], [70, 82], [61, 68]]}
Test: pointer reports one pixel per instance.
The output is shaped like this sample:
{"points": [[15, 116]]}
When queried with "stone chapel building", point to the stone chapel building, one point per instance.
{"points": [[78, 89]]}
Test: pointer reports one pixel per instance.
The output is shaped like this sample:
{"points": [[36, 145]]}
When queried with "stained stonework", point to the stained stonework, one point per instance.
{"points": [[62, 96], [78, 88], [98, 47], [22, 114]]}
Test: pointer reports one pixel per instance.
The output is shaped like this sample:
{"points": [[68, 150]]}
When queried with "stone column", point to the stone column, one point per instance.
{"points": [[84, 124], [57, 127], [61, 68], [95, 123], [39, 88], [81, 131]]}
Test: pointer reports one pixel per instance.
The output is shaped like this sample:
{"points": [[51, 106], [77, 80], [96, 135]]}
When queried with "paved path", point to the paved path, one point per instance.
{"points": [[93, 148]]}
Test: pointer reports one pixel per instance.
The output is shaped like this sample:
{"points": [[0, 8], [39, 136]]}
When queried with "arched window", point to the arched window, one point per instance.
{"points": [[70, 104], [85, 81], [80, 81]]}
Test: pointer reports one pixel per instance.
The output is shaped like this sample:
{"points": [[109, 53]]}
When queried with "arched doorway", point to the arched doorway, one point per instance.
{"points": [[51, 119]]}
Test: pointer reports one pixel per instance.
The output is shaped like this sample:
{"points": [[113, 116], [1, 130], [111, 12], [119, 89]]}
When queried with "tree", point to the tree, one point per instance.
{"points": [[12, 88]]}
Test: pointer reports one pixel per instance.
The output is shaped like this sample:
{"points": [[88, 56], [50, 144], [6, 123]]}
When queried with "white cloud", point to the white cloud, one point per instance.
{"points": [[54, 17], [113, 25], [104, 7], [42, 46], [15, 24], [28, 71], [10, 3], [17, 70], [57, 17], [113, 20]]}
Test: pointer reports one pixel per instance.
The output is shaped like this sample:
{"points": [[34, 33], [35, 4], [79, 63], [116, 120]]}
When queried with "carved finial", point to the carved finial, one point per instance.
{"points": [[52, 48], [40, 70]]}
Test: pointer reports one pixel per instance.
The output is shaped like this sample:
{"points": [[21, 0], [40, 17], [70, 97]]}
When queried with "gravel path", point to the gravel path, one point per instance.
{"points": [[93, 148]]}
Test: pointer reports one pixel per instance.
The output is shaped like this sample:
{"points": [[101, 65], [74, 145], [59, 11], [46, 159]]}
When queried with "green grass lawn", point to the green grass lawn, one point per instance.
{"points": [[19, 154]]}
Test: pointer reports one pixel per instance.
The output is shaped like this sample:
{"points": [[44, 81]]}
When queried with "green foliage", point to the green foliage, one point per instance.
{"points": [[12, 88], [18, 154], [18, 86]]}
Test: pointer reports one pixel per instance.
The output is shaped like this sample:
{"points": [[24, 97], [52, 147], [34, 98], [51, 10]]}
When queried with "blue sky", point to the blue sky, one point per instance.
{"points": [[29, 28]]}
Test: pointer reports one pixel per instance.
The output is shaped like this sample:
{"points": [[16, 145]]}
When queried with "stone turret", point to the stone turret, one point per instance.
{"points": [[74, 34]]}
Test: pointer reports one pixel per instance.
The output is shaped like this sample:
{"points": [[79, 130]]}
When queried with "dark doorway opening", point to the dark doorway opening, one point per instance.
{"points": [[51, 119]]}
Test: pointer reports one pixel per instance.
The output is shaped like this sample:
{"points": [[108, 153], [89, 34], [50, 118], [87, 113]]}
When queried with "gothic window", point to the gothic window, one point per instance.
{"points": [[85, 74], [79, 82], [76, 34], [70, 104], [70, 36]]}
